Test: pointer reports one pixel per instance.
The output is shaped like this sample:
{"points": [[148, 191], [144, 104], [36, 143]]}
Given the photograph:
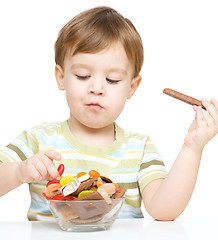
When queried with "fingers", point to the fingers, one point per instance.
{"points": [[215, 104], [42, 170], [208, 117], [47, 160], [200, 116], [210, 106], [53, 155], [41, 166], [34, 174], [211, 115]]}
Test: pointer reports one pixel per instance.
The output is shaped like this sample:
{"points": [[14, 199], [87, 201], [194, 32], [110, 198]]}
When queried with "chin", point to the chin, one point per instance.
{"points": [[97, 125]]}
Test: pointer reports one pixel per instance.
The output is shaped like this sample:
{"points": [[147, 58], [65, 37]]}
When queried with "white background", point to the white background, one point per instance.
{"points": [[181, 52]]}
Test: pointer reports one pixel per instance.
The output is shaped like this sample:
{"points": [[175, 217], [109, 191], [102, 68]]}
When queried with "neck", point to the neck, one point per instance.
{"points": [[96, 137]]}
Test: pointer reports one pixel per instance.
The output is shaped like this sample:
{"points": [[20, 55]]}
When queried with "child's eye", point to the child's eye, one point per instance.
{"points": [[112, 81], [82, 77]]}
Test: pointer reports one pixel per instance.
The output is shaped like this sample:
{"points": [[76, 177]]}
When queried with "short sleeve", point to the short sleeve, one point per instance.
{"points": [[152, 166], [21, 148]]}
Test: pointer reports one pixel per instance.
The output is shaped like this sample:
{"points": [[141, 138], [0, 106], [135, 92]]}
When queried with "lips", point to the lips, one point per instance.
{"points": [[96, 106]]}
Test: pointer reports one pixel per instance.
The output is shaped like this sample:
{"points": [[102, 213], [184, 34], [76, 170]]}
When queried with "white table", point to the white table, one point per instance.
{"points": [[134, 229]]}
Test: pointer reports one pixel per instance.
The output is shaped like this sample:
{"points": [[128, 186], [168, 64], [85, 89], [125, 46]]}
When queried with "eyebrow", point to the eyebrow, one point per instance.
{"points": [[81, 65], [78, 65], [120, 70]]}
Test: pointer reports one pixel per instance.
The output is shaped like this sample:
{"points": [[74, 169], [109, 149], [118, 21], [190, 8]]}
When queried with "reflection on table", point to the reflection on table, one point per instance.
{"points": [[181, 229]]}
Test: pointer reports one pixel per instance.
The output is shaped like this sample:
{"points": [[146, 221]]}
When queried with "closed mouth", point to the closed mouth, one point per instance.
{"points": [[94, 105]]}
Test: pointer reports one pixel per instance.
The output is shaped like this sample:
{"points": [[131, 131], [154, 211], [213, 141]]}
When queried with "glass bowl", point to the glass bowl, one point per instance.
{"points": [[84, 216]]}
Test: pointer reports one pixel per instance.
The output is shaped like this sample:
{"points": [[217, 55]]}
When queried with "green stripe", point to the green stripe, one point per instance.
{"points": [[153, 162], [150, 147], [5, 157], [133, 203], [33, 141], [26, 139], [18, 151], [36, 190], [149, 179], [131, 185], [150, 173]]}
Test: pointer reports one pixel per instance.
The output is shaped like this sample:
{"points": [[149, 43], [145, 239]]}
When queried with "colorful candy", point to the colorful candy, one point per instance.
{"points": [[61, 169], [94, 173], [116, 186], [99, 183], [85, 192], [83, 177], [81, 174], [51, 189], [66, 187], [70, 187], [108, 187], [60, 197], [66, 180], [52, 181]]}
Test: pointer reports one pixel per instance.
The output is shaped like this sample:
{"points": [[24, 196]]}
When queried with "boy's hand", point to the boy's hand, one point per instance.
{"points": [[39, 167], [204, 127]]}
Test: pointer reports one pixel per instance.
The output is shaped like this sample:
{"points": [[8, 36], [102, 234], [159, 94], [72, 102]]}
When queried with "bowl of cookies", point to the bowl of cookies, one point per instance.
{"points": [[84, 202]]}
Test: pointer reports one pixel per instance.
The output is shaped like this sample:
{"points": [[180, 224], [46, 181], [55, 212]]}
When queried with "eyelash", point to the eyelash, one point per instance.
{"points": [[110, 81], [82, 77]]}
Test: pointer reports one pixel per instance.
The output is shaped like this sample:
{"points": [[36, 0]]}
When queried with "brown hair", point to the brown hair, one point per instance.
{"points": [[96, 29]]}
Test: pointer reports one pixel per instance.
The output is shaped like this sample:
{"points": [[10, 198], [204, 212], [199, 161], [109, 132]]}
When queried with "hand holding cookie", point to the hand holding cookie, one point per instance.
{"points": [[205, 125]]}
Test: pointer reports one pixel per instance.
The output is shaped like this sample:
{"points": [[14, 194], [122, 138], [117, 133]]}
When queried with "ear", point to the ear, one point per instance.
{"points": [[59, 75], [135, 82]]}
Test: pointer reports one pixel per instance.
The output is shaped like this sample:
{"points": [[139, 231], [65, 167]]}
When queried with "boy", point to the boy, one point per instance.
{"points": [[99, 55]]}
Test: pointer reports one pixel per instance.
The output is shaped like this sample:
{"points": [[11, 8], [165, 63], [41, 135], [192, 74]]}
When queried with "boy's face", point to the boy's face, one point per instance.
{"points": [[97, 85]]}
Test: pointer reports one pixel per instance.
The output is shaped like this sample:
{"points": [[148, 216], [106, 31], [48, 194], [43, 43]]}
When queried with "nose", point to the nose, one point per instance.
{"points": [[96, 87]]}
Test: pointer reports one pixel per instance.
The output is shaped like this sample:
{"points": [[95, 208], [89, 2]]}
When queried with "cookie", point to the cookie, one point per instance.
{"points": [[119, 193], [86, 185], [86, 209], [66, 212], [183, 97], [84, 221], [91, 196]]}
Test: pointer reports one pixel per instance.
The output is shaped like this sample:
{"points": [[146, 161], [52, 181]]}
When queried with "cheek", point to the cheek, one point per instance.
{"points": [[72, 95], [120, 95], [118, 101]]}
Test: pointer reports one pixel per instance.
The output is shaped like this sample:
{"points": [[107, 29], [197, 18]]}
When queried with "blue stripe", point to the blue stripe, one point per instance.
{"points": [[24, 151], [126, 170], [128, 216], [25, 140], [42, 209], [131, 214]]}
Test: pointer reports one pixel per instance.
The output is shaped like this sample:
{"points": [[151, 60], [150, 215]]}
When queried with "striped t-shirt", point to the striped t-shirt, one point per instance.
{"points": [[132, 161]]}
